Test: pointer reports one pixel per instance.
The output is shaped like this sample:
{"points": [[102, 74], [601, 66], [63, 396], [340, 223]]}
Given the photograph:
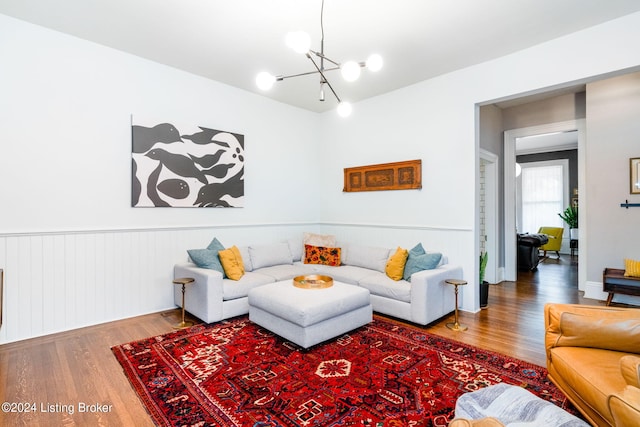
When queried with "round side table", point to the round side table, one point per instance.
{"points": [[183, 281], [456, 326]]}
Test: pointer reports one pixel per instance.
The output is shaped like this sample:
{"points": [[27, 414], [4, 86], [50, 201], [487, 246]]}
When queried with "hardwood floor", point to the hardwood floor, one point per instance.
{"points": [[513, 322], [58, 374]]}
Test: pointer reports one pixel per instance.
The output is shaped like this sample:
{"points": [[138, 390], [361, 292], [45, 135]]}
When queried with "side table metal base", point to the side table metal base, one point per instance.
{"points": [[184, 323], [456, 326]]}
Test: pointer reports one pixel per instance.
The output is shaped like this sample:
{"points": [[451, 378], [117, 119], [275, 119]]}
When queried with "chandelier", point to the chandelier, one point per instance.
{"points": [[300, 42]]}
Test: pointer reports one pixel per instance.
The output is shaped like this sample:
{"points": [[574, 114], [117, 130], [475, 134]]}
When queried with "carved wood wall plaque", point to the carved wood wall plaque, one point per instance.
{"points": [[385, 176]]}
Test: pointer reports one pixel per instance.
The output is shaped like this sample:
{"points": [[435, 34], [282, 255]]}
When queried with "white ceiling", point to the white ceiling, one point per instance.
{"points": [[543, 143], [232, 40]]}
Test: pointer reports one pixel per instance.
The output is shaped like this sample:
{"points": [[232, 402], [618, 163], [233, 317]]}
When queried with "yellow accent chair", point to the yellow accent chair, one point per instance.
{"points": [[555, 239]]}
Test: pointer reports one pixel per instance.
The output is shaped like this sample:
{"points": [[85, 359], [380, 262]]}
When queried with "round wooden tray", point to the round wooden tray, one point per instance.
{"points": [[313, 281]]}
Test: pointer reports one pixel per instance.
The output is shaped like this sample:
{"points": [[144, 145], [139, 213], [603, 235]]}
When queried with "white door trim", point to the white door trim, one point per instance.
{"points": [[491, 214]]}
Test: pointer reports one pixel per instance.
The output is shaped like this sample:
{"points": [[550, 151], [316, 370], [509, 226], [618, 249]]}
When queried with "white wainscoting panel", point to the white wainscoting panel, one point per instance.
{"points": [[59, 281], [56, 282]]}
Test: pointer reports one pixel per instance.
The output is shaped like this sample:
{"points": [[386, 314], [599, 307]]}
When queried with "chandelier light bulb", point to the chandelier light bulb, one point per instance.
{"points": [[265, 80], [299, 41], [344, 109], [374, 62], [350, 71]]}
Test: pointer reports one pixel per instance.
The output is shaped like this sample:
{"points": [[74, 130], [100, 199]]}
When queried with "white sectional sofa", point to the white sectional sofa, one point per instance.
{"points": [[422, 299]]}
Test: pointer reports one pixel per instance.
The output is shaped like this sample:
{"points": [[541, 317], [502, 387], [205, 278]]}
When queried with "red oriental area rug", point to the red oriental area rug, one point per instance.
{"points": [[235, 373]]}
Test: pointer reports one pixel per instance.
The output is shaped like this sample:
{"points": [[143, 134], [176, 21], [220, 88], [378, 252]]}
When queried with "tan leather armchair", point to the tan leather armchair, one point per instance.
{"points": [[593, 356]]}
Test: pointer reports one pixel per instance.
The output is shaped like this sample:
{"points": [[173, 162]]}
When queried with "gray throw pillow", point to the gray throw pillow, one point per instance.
{"points": [[373, 258], [268, 255]]}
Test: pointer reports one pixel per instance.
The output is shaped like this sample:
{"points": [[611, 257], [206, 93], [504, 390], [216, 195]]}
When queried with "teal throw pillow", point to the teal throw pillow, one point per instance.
{"points": [[208, 258], [420, 261], [417, 250], [411, 261], [215, 245]]}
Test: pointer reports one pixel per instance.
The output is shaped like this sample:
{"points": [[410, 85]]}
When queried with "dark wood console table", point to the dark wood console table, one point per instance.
{"points": [[615, 282]]}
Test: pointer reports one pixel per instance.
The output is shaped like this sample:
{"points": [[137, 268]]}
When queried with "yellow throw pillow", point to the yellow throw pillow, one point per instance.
{"points": [[631, 268], [232, 263], [395, 264]]}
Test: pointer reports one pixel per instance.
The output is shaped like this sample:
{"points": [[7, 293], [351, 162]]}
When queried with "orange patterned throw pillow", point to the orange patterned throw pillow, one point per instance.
{"points": [[321, 255]]}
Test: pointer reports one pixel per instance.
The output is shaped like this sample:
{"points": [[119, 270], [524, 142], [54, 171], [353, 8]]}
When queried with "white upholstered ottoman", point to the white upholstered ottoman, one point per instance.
{"points": [[309, 316]]}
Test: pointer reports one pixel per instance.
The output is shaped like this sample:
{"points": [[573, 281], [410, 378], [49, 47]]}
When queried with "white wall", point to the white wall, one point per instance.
{"points": [[66, 149], [613, 108], [66, 111], [411, 123], [73, 249], [435, 121]]}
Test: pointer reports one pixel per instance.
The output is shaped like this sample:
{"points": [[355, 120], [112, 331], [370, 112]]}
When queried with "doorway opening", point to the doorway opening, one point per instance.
{"points": [[510, 229]]}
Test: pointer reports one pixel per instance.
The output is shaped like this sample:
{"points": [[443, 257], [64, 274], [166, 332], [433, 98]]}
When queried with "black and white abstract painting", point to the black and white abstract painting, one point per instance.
{"points": [[176, 165]]}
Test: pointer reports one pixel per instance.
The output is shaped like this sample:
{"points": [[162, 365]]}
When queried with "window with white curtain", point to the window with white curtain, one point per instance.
{"points": [[544, 192]]}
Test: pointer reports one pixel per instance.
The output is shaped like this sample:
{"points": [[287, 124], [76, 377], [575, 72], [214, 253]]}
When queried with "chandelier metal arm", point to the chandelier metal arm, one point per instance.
{"points": [[324, 78], [280, 78], [300, 42], [322, 56]]}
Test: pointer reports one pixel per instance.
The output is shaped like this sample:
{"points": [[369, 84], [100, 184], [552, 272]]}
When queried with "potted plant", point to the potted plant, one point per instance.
{"points": [[484, 286], [570, 216]]}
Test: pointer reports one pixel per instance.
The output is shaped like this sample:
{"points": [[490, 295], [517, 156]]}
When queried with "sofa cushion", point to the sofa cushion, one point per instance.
{"points": [[268, 255], [395, 264], [610, 333], [322, 255], [285, 271], [232, 263], [345, 273], [415, 263], [295, 247], [593, 373], [232, 289], [382, 285], [370, 257], [246, 258]]}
